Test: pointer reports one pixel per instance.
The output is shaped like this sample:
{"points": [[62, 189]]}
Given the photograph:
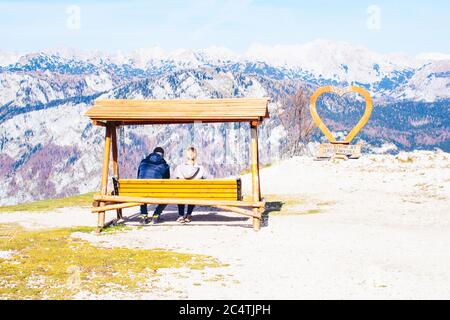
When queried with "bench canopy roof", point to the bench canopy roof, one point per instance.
{"points": [[130, 111]]}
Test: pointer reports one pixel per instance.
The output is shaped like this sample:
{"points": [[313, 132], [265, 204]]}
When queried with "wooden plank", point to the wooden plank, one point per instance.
{"points": [[169, 114], [106, 156], [199, 202], [114, 152], [185, 108], [116, 206], [146, 114], [158, 119], [174, 111], [175, 196], [179, 195], [208, 101], [231, 102], [113, 116], [182, 111], [189, 189], [98, 123], [201, 188], [133, 103], [244, 212], [178, 191], [176, 121], [196, 189], [163, 185], [154, 189], [202, 182], [104, 181], [174, 192], [218, 189]]}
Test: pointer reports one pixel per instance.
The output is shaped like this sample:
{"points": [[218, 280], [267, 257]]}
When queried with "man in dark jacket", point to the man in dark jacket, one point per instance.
{"points": [[153, 167]]}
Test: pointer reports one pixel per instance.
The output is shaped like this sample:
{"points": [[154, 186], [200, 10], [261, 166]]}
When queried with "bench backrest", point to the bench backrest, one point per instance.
{"points": [[214, 189]]}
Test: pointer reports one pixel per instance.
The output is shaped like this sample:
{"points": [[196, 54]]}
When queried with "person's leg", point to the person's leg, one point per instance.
{"points": [[190, 208], [144, 214], [159, 209], [188, 217], [144, 210], [181, 210], [180, 213]]}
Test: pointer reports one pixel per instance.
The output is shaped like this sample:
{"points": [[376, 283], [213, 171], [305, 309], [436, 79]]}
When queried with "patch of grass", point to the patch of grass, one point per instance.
{"points": [[403, 160], [83, 229], [277, 205], [216, 278], [50, 264], [326, 203], [287, 200], [116, 228], [311, 211], [82, 200], [298, 212], [281, 205]]}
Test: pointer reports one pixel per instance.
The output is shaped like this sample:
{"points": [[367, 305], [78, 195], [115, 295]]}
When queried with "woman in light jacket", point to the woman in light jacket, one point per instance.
{"points": [[190, 171]]}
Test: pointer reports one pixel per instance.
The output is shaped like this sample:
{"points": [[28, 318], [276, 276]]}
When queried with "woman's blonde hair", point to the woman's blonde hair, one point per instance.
{"points": [[191, 154]]}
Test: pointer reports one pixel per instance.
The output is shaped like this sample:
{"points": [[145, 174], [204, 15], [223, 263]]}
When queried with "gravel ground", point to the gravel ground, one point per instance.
{"points": [[380, 231]]}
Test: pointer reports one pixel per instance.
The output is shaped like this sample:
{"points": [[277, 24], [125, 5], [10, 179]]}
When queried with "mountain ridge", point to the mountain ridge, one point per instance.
{"points": [[48, 148]]}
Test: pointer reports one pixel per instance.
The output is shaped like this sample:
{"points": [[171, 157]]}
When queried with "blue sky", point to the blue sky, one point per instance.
{"points": [[412, 27]]}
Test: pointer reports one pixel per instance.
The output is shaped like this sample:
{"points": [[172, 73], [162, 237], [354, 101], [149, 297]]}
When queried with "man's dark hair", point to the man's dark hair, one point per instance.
{"points": [[159, 150]]}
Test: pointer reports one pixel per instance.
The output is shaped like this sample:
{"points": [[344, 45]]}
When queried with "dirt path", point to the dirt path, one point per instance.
{"points": [[377, 228]]}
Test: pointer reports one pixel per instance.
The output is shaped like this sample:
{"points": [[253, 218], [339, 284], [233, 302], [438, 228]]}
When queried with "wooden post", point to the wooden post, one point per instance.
{"points": [[255, 171], [114, 161], [105, 168]]}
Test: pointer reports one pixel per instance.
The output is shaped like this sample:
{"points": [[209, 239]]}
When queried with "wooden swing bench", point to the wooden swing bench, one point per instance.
{"points": [[220, 189], [224, 194], [220, 193]]}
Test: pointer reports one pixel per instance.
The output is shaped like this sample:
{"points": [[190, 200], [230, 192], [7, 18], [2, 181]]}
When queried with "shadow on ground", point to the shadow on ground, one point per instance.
{"points": [[206, 216], [273, 206]]}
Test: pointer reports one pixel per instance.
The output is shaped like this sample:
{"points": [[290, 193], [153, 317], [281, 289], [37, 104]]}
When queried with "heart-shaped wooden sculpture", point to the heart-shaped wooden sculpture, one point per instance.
{"points": [[362, 122]]}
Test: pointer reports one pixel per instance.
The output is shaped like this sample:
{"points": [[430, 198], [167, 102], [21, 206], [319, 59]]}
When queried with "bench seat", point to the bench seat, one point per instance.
{"points": [[213, 189]]}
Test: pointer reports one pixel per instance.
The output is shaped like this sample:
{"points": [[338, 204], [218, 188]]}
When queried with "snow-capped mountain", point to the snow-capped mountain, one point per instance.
{"points": [[320, 62], [433, 56], [48, 148], [342, 62]]}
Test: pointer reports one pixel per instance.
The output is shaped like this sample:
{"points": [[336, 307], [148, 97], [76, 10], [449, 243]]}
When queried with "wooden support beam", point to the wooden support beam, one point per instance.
{"points": [[197, 202], [115, 164], [104, 182], [256, 193], [97, 203], [98, 123], [114, 152], [245, 212], [116, 206]]}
